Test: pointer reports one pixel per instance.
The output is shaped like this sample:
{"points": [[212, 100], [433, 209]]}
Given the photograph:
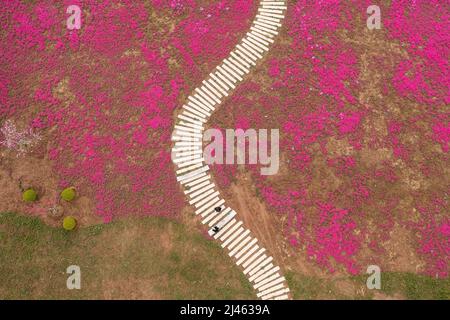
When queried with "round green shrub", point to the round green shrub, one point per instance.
{"points": [[29, 195], [69, 223], [68, 194]]}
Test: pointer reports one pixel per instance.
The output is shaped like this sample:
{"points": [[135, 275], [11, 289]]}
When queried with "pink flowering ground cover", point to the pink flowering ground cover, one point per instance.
{"points": [[363, 115], [364, 124], [105, 94]]}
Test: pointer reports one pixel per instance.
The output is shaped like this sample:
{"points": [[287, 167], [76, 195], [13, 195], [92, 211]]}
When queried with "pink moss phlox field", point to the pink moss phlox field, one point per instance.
{"points": [[353, 206], [105, 95]]}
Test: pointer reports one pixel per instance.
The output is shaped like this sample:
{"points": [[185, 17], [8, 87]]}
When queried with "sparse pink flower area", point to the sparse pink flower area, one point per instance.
{"points": [[434, 240], [335, 206]]}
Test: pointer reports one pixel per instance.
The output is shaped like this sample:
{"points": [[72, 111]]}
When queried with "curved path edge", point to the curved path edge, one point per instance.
{"points": [[192, 172]]}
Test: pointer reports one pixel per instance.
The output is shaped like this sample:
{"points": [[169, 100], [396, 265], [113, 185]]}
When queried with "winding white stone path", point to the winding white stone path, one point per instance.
{"points": [[192, 172]]}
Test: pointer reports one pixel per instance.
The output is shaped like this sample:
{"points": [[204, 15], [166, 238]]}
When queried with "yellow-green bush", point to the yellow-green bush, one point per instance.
{"points": [[68, 194], [69, 223], [29, 195]]}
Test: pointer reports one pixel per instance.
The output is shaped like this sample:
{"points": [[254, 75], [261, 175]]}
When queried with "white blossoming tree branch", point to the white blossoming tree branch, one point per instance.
{"points": [[16, 140]]}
